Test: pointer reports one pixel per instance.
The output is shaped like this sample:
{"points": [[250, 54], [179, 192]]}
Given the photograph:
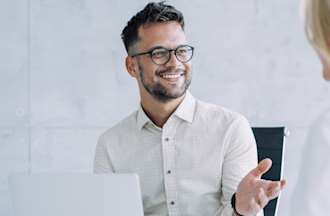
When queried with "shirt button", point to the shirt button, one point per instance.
{"points": [[172, 202], [167, 139], [168, 171]]}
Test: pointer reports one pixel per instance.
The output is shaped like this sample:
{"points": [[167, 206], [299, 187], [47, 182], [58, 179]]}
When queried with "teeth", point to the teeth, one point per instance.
{"points": [[171, 76]]}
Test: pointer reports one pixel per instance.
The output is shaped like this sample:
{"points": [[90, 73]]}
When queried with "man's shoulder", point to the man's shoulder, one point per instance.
{"points": [[215, 112], [125, 126]]}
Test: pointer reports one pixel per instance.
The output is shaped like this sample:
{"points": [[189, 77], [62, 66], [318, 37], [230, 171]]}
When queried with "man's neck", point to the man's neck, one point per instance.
{"points": [[158, 111]]}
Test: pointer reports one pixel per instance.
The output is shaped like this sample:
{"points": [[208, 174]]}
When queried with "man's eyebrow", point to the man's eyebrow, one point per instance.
{"points": [[162, 47], [156, 47]]}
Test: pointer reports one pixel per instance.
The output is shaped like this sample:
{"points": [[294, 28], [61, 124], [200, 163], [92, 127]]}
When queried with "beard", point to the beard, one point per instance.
{"points": [[161, 92]]}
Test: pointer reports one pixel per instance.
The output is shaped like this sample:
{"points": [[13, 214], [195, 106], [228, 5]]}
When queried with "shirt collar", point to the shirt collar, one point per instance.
{"points": [[185, 111], [142, 118]]}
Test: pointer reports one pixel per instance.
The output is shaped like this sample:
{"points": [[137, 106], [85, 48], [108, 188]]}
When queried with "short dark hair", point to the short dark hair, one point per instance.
{"points": [[153, 12]]}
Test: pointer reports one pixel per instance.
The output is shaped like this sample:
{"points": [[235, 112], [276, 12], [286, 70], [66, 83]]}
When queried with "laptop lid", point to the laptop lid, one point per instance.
{"points": [[76, 194]]}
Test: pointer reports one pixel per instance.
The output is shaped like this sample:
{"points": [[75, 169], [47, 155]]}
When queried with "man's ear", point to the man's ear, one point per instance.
{"points": [[131, 66]]}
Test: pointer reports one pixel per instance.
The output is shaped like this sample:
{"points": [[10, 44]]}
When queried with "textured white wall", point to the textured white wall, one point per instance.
{"points": [[63, 81]]}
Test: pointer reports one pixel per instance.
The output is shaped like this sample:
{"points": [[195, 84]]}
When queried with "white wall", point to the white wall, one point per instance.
{"points": [[63, 81]]}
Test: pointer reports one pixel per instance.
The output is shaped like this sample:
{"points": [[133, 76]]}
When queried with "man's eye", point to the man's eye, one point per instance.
{"points": [[159, 53], [182, 51]]}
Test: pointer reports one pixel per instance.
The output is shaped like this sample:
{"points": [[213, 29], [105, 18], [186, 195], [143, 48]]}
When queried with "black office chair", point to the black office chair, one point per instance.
{"points": [[270, 144]]}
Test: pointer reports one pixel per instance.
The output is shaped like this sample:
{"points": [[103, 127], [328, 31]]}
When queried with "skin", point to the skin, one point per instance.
{"points": [[326, 67], [169, 35], [253, 193]]}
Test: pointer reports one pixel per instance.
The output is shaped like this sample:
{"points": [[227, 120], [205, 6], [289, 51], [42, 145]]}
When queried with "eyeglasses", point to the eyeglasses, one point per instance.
{"points": [[161, 55]]}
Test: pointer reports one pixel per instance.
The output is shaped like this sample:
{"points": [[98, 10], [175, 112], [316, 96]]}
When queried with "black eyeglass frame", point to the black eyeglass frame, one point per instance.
{"points": [[169, 51]]}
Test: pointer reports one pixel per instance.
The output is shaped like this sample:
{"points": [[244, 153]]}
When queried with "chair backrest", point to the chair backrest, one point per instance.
{"points": [[270, 144]]}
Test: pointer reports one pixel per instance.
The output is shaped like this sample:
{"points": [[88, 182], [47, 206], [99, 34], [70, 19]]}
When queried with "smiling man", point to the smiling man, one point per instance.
{"points": [[193, 158]]}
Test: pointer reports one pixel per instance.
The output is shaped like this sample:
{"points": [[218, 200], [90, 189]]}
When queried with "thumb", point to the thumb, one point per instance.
{"points": [[262, 168]]}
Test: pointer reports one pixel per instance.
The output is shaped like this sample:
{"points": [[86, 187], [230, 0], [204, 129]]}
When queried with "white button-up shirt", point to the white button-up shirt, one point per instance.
{"points": [[191, 166]]}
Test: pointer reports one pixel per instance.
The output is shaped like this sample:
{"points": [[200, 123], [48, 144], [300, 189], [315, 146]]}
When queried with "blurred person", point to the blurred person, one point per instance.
{"points": [[311, 195]]}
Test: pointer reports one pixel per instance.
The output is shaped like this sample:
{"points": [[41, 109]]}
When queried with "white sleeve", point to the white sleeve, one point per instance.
{"points": [[240, 158], [102, 162]]}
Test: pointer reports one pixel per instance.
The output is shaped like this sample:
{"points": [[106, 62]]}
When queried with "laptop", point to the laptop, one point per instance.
{"points": [[73, 194]]}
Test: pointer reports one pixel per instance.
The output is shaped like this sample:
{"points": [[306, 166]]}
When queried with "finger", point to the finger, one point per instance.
{"points": [[262, 199], [283, 183], [270, 185], [274, 189], [262, 168], [254, 206]]}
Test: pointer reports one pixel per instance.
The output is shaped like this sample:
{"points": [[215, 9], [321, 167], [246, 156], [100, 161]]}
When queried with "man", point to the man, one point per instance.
{"points": [[190, 156]]}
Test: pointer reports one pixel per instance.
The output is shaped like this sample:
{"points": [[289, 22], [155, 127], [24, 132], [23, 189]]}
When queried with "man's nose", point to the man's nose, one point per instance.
{"points": [[173, 60]]}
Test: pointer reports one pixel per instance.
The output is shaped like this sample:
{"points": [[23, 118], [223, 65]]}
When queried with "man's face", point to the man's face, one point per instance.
{"points": [[168, 81]]}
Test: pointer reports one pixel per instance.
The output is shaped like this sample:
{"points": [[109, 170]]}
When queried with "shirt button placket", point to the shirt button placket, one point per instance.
{"points": [[170, 177]]}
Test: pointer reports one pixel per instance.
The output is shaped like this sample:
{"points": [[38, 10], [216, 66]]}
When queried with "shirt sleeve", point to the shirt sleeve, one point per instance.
{"points": [[102, 162], [240, 158]]}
